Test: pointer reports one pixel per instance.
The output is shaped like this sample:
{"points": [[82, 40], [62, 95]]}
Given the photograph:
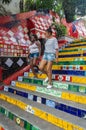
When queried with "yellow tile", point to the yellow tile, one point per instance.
{"points": [[57, 121], [81, 80], [65, 95], [21, 105], [82, 99], [73, 97], [11, 100], [64, 125], [70, 53], [2, 97], [26, 86], [72, 59], [74, 48], [41, 76]]}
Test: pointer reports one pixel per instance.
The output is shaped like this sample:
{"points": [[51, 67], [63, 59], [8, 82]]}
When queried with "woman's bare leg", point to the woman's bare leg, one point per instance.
{"points": [[32, 67], [49, 71], [42, 66]]}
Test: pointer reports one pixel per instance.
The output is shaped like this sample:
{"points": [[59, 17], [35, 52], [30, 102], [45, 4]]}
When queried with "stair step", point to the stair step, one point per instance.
{"points": [[69, 72], [74, 87], [58, 77], [71, 53], [8, 124], [46, 112], [23, 119], [70, 62], [51, 101], [76, 45], [76, 97], [82, 58], [73, 50], [65, 72], [56, 84], [69, 67], [71, 78]]}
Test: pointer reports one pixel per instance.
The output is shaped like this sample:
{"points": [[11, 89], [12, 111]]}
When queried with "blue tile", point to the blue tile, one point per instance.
{"points": [[30, 96], [50, 103], [43, 100], [34, 98]]}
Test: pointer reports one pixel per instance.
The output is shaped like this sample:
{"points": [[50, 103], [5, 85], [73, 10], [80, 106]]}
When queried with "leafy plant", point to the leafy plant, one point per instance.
{"points": [[61, 30]]}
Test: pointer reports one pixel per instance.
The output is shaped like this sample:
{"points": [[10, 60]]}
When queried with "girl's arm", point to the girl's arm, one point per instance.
{"points": [[56, 55], [39, 46]]}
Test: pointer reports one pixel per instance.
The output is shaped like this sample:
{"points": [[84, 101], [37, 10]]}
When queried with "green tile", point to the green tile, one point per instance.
{"points": [[27, 126], [34, 128], [74, 88], [60, 85], [11, 116], [3, 111], [82, 89]]}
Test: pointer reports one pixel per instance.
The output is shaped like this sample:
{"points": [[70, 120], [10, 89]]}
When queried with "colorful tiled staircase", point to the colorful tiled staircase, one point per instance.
{"points": [[32, 106]]}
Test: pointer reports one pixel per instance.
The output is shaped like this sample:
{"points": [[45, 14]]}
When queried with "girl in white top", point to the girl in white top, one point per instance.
{"points": [[34, 52], [50, 53]]}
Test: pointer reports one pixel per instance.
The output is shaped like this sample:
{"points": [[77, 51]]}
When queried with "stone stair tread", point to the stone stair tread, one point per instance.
{"points": [[65, 82], [62, 81], [71, 75], [53, 98], [59, 114], [53, 88], [41, 124], [8, 124]]}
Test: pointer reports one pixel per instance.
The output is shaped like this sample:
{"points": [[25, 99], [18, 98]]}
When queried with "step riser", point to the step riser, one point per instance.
{"points": [[43, 115], [72, 55], [18, 120], [69, 67], [73, 88], [78, 45], [73, 50], [71, 63], [72, 59], [69, 72], [72, 79], [77, 42], [56, 105], [56, 93]]}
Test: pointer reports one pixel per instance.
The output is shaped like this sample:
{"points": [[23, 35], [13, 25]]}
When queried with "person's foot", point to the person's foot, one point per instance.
{"points": [[35, 76], [46, 80], [40, 73], [49, 86]]}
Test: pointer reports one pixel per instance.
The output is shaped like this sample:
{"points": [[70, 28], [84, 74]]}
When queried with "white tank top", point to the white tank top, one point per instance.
{"points": [[33, 48]]}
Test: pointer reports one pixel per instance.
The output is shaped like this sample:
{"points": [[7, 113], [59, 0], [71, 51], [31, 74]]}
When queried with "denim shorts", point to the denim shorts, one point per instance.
{"points": [[49, 56], [34, 55]]}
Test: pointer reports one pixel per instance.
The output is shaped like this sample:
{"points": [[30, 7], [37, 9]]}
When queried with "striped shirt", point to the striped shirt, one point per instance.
{"points": [[51, 45]]}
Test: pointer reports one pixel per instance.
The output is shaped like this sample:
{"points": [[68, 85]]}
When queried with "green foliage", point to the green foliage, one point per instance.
{"points": [[38, 4], [61, 30], [69, 7], [59, 10], [81, 7]]}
